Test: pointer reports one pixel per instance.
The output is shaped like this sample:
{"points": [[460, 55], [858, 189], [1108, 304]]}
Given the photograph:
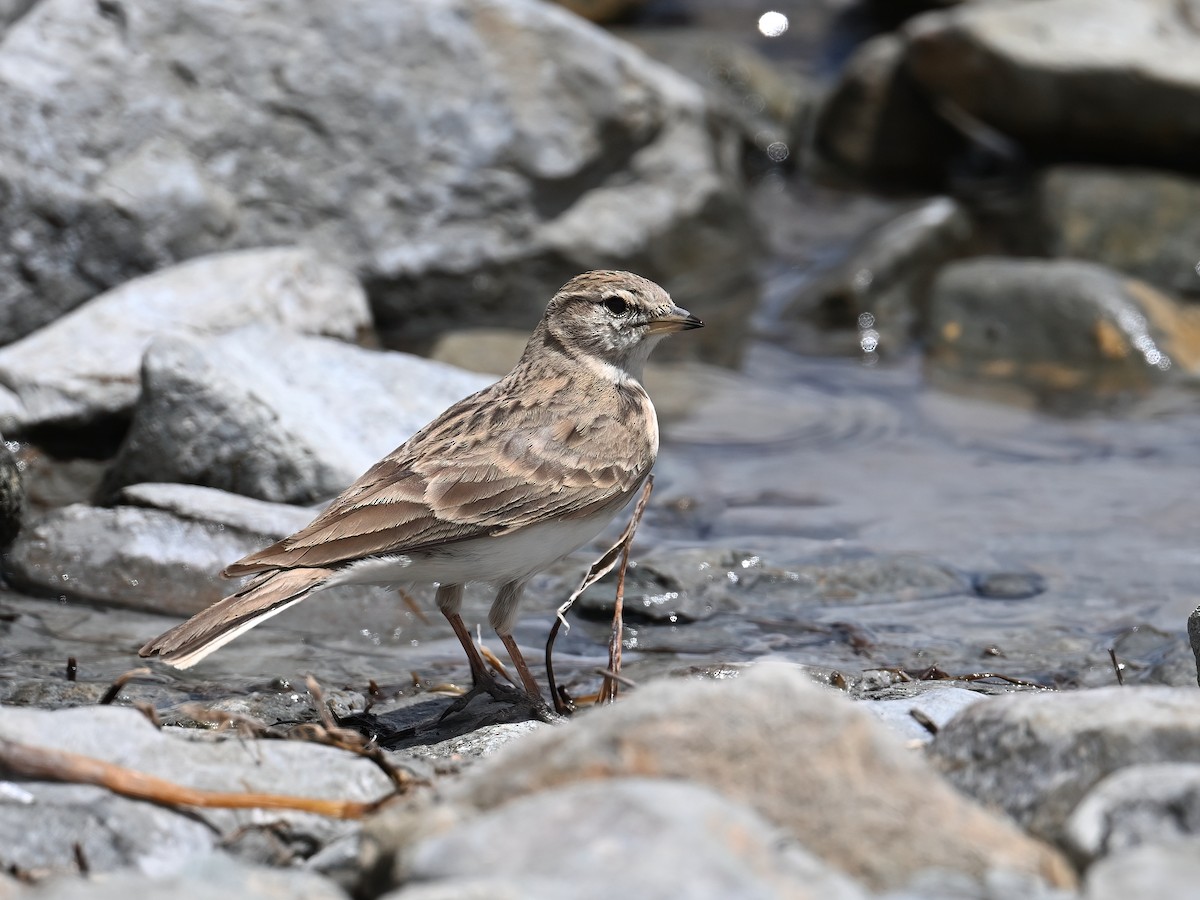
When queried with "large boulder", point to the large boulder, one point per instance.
{"points": [[463, 157], [277, 416], [1058, 326], [84, 368], [803, 757], [1140, 221], [1084, 79]]}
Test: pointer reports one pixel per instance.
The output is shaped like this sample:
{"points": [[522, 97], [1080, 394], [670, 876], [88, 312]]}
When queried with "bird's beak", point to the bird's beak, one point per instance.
{"points": [[674, 319]]}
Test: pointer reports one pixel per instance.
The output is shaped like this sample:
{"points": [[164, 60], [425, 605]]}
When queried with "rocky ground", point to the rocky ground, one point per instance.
{"points": [[220, 225]]}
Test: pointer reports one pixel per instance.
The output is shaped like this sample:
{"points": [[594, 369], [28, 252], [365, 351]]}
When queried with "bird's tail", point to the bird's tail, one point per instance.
{"points": [[188, 643]]}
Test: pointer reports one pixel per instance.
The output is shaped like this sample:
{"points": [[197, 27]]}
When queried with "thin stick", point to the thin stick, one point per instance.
{"points": [[601, 567], [1112, 654], [58, 765]]}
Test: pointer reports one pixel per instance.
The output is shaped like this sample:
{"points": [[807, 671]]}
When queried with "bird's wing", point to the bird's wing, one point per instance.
{"points": [[481, 469]]}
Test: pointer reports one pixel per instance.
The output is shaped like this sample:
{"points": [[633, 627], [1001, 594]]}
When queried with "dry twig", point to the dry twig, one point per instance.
{"points": [[42, 763], [618, 552]]}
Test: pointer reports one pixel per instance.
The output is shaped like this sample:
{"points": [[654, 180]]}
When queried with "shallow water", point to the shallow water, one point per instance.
{"points": [[807, 466]]}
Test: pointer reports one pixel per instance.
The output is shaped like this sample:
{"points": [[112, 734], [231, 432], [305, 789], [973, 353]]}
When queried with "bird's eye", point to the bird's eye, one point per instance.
{"points": [[616, 305]]}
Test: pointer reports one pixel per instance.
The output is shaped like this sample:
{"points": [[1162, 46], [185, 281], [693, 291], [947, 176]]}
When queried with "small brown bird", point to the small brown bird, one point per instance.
{"points": [[498, 487]]}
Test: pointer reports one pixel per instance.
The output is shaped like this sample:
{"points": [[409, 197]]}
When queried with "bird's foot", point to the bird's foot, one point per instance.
{"points": [[517, 699]]}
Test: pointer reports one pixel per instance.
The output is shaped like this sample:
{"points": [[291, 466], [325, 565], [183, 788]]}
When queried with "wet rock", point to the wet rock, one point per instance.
{"points": [[1008, 585], [1084, 79], [926, 709], [604, 838], [455, 754], [464, 159], [85, 367], [1139, 221], [1056, 326], [12, 496], [1037, 755], [881, 289], [850, 802], [128, 556], [1156, 870], [294, 425], [877, 124], [1147, 804], [209, 877], [233, 763], [202, 504], [693, 585]]}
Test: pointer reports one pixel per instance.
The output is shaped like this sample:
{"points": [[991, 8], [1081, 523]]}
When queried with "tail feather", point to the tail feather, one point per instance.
{"points": [[188, 643]]}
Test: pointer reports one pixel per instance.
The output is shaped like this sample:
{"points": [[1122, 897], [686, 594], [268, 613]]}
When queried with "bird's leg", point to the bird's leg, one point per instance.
{"points": [[449, 601], [502, 616], [527, 678]]}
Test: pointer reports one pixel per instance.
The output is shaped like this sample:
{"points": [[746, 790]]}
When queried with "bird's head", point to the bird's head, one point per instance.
{"points": [[614, 318]]}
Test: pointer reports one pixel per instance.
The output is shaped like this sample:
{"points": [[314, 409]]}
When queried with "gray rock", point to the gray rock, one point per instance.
{"points": [[209, 877], [230, 763], [1037, 755], [41, 825], [128, 556], [1008, 585], [592, 840], [85, 367], [1163, 871], [1146, 804], [203, 504], [934, 703], [1140, 221], [294, 425], [881, 289], [1086, 79], [806, 758], [877, 125], [463, 157], [1055, 326], [695, 584]]}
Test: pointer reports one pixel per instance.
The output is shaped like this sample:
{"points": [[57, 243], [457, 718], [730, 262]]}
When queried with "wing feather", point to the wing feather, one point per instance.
{"points": [[489, 465]]}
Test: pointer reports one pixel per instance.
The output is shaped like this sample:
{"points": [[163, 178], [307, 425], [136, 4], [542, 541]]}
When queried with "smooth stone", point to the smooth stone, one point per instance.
{"points": [[1140, 221], [206, 877], [128, 556], [1057, 326], [1167, 871], [1036, 755], [1008, 585], [295, 425], [203, 761], [596, 839], [935, 703], [463, 158], [84, 367], [803, 756], [1138, 805], [1082, 79], [205, 504], [691, 585]]}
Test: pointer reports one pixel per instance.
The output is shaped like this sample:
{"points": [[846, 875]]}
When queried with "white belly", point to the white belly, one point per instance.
{"points": [[496, 560]]}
